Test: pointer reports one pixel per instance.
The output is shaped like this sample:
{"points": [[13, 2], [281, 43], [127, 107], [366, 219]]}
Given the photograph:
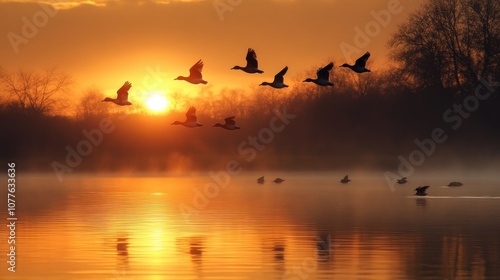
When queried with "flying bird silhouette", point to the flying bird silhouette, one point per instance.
{"points": [[278, 79], [191, 119], [229, 124], [122, 95], [323, 74], [360, 65], [195, 76], [252, 63]]}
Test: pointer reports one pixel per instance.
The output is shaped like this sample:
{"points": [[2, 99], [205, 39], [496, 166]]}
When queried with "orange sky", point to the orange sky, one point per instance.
{"points": [[104, 43]]}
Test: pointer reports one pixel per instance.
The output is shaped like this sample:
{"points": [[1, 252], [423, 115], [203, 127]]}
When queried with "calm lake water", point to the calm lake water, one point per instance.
{"points": [[309, 227]]}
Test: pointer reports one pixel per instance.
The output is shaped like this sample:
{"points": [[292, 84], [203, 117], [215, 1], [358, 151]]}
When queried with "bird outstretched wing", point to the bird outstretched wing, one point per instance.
{"points": [[196, 69], [123, 91], [230, 120], [252, 59], [324, 73], [362, 60], [191, 115], [278, 78]]}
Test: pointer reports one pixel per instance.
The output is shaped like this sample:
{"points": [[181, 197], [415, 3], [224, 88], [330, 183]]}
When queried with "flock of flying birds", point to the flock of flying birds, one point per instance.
{"points": [[419, 191], [252, 66]]}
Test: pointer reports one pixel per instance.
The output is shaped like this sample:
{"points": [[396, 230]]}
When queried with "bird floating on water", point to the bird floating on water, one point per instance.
{"points": [[278, 79], [402, 181], [122, 95], [420, 191], [345, 180], [360, 65], [323, 74], [278, 180], [229, 124], [260, 180], [191, 119], [195, 76], [455, 184], [252, 63]]}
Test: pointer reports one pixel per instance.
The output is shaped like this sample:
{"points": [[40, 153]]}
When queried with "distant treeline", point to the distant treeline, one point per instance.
{"points": [[308, 128], [439, 98]]}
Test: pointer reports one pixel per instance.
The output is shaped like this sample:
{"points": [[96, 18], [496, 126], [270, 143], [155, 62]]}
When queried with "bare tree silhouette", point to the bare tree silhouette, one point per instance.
{"points": [[450, 43], [90, 105], [37, 92]]}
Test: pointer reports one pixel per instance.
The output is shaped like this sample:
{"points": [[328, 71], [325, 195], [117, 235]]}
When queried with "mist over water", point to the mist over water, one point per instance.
{"points": [[308, 227]]}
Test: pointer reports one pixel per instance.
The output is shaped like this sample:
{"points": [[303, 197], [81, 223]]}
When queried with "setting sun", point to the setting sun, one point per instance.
{"points": [[157, 103]]}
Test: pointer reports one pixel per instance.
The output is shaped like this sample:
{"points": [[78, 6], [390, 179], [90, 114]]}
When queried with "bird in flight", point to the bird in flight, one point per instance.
{"points": [[360, 65], [191, 119], [278, 79], [195, 76], [252, 63], [122, 95], [323, 74], [229, 124]]}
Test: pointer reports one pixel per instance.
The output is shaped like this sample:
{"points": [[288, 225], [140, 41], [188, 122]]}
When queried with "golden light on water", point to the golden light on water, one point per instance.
{"points": [[110, 228]]}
